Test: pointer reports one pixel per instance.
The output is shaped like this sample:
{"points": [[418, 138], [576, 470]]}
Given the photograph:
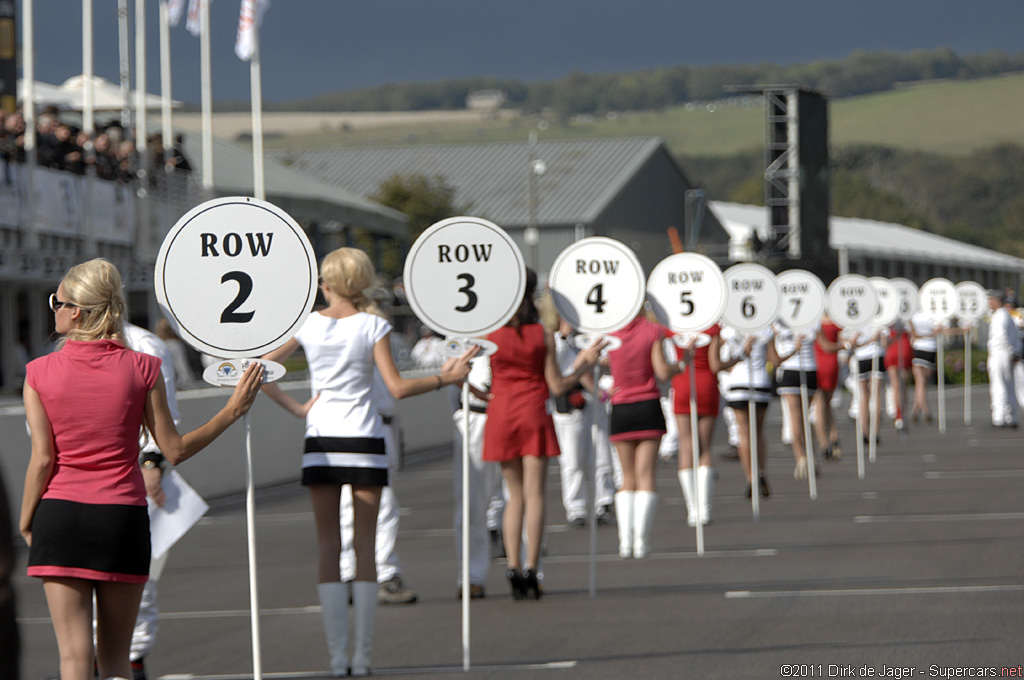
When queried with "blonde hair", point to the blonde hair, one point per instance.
{"points": [[95, 288], [547, 312], [349, 273]]}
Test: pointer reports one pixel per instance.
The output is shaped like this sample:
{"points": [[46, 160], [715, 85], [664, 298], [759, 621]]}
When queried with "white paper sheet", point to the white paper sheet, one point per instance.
{"points": [[182, 509]]}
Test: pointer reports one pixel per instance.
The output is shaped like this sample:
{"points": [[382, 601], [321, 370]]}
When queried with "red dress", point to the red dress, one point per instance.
{"points": [[518, 422], [708, 396], [828, 362]]}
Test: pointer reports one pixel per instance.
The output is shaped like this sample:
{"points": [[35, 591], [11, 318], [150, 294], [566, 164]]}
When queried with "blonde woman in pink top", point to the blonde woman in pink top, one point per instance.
{"points": [[84, 513], [636, 427]]}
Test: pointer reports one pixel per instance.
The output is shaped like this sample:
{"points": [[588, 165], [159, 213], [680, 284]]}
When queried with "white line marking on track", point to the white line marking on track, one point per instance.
{"points": [[980, 517], [613, 557], [993, 442], [854, 592], [427, 670], [973, 474]]}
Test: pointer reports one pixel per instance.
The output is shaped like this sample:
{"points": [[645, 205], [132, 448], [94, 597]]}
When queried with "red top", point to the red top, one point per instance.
{"points": [[631, 364], [518, 423], [94, 394]]}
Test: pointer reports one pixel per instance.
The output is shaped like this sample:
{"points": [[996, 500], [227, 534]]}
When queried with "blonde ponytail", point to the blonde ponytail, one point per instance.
{"points": [[349, 273], [95, 288]]}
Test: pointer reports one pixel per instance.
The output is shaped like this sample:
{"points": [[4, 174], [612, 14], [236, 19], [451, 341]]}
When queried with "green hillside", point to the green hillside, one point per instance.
{"points": [[950, 117]]}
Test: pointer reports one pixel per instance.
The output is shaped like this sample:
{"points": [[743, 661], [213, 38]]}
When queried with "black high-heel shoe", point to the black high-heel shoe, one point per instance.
{"points": [[762, 485], [517, 583], [530, 585]]}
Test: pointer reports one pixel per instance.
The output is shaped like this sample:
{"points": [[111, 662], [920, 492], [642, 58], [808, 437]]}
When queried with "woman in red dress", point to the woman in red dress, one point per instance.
{"points": [[825, 348], [84, 513], [898, 362], [706, 363], [520, 433]]}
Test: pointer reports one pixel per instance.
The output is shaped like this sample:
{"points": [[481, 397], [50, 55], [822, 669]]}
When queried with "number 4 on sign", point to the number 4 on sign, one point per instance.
{"points": [[596, 299]]}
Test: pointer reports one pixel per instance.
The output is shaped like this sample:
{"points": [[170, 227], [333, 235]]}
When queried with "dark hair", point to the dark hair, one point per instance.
{"points": [[527, 310]]}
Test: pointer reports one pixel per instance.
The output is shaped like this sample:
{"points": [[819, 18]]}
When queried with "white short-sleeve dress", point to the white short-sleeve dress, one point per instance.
{"points": [[344, 434]]}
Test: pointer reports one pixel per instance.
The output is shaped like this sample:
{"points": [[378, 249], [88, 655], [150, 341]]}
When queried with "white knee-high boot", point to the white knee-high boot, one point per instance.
{"points": [[706, 483], [334, 602], [624, 519], [364, 604], [644, 505], [686, 484]]}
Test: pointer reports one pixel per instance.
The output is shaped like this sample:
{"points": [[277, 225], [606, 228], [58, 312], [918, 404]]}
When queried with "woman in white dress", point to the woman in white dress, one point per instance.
{"points": [[344, 442]]}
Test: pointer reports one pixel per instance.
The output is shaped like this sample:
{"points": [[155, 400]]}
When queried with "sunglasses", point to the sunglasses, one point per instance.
{"points": [[56, 304]]}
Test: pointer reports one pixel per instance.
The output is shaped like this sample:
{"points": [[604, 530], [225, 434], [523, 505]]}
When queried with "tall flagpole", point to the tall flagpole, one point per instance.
{"points": [[207, 97], [259, 190], [28, 108], [141, 131], [124, 76], [88, 124], [165, 77]]}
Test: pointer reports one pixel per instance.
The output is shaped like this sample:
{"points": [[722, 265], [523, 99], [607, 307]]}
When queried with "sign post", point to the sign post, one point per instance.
{"points": [[851, 302], [971, 298], [464, 278], [687, 293], [236, 277], [939, 300], [597, 286], [801, 309]]}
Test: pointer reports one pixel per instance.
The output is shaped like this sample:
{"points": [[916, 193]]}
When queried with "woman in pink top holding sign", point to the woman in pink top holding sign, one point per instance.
{"points": [[636, 427], [84, 512]]}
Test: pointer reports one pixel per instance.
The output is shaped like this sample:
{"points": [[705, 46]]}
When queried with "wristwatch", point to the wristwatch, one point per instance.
{"points": [[152, 461]]}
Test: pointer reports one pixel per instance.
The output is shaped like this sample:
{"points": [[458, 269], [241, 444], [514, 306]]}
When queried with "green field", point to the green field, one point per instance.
{"points": [[954, 117]]}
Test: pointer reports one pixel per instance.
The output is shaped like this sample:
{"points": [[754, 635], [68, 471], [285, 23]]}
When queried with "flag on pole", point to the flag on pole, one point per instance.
{"points": [[175, 8], [250, 16], [193, 24]]}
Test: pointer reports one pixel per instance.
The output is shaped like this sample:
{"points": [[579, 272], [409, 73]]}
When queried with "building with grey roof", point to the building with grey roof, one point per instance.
{"points": [[627, 189], [873, 248]]}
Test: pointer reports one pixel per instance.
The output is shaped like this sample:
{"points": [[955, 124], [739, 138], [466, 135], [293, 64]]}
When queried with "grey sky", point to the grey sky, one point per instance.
{"points": [[315, 46]]}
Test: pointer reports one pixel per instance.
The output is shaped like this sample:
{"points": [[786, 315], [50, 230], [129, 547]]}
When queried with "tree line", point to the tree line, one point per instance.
{"points": [[861, 72]]}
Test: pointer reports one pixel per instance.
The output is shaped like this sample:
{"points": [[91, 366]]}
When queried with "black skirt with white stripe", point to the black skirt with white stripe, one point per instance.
{"points": [[360, 461]]}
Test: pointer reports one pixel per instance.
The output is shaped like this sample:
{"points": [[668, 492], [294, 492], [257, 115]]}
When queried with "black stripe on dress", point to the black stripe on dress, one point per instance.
{"points": [[373, 445], [356, 476]]}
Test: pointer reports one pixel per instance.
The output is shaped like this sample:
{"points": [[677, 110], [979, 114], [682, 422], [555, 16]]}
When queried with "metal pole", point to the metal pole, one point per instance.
{"points": [[755, 472], [812, 483], [250, 520], [941, 369], [125, 65], [595, 401], [695, 449], [465, 525], [28, 106], [968, 342], [165, 77], [859, 421], [873, 404], [206, 85], [259, 189]]}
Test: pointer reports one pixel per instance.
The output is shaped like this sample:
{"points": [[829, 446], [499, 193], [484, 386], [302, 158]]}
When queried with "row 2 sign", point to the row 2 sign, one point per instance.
{"points": [[236, 277]]}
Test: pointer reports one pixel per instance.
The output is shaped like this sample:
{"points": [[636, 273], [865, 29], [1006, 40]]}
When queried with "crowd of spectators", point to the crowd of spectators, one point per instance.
{"points": [[63, 146]]}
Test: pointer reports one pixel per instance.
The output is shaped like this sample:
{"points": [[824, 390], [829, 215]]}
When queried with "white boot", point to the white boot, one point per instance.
{"points": [[686, 484], [334, 602], [706, 484], [624, 519], [364, 603], [644, 505]]}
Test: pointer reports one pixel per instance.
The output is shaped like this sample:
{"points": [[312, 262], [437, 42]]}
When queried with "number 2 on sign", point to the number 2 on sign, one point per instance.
{"points": [[467, 290], [230, 315]]}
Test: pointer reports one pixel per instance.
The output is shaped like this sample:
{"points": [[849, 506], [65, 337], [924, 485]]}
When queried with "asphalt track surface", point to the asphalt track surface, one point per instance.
{"points": [[917, 570]]}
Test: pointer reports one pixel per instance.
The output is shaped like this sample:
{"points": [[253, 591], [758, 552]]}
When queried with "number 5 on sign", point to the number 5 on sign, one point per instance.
{"points": [[465, 277]]}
